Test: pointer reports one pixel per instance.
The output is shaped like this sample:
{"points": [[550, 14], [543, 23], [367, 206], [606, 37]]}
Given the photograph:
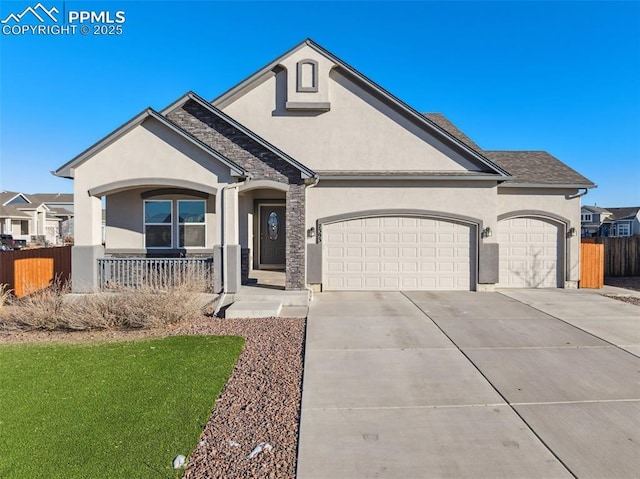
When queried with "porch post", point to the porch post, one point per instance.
{"points": [[231, 241], [87, 242]]}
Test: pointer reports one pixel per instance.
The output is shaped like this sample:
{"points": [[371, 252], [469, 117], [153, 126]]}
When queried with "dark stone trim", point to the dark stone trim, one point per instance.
{"points": [[488, 263]]}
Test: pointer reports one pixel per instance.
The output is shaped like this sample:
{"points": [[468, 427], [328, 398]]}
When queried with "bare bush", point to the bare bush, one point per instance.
{"points": [[5, 294], [122, 308]]}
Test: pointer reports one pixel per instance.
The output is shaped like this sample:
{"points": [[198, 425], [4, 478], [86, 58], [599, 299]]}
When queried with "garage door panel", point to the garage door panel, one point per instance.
{"points": [[530, 252], [415, 254]]}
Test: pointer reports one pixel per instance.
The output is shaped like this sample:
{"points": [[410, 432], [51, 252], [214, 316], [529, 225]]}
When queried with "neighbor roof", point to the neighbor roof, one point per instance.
{"points": [[12, 211], [53, 197], [623, 213]]}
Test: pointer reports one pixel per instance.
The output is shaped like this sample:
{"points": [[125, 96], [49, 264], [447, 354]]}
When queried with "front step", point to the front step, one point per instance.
{"points": [[287, 298], [253, 309]]}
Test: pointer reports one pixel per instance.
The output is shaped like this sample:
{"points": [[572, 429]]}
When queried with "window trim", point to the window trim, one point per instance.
{"points": [[179, 223], [145, 224], [627, 226], [314, 76]]}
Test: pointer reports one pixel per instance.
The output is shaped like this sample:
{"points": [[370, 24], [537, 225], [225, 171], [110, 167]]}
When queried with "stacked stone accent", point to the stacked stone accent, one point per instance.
{"points": [[244, 265], [262, 164]]}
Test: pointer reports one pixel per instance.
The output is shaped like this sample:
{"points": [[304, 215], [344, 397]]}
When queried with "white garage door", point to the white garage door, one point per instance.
{"points": [[529, 253], [396, 253]]}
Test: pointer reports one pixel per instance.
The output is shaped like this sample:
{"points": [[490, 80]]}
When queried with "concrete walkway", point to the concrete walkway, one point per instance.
{"points": [[469, 385]]}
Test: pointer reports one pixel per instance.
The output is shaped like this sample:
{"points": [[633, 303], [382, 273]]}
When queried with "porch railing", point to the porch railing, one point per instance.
{"points": [[155, 273]]}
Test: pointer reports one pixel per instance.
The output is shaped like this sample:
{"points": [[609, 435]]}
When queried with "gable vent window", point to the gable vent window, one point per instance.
{"points": [[307, 76]]}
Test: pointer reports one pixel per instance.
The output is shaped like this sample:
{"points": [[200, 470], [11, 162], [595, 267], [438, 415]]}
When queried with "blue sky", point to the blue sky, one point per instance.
{"points": [[557, 76]]}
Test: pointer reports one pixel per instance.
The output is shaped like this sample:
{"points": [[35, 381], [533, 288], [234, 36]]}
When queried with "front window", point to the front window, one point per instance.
{"points": [[158, 217], [191, 223], [586, 217]]}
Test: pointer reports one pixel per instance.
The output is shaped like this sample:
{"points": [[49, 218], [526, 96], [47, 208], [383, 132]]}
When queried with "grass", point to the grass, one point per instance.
{"points": [[108, 410]]}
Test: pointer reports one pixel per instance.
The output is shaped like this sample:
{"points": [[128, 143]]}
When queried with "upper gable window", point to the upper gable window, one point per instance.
{"points": [[307, 76], [18, 200], [587, 217]]}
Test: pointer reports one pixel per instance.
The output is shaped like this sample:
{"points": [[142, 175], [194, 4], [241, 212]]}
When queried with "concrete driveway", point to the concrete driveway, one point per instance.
{"points": [[518, 384]]}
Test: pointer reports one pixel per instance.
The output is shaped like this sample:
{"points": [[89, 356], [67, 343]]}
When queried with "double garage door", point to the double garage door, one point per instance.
{"points": [[397, 253], [410, 253]]}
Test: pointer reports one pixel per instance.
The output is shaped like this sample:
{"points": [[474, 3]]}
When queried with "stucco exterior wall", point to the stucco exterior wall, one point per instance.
{"points": [[359, 132], [333, 198], [555, 202]]}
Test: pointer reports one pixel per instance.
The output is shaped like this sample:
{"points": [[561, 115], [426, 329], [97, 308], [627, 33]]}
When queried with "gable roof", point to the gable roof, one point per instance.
{"points": [[8, 196], [436, 130], [12, 212], [444, 123], [538, 168], [624, 213], [304, 171], [65, 171], [53, 197]]}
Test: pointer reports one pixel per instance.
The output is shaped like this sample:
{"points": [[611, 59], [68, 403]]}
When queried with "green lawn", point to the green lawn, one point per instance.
{"points": [[108, 410]]}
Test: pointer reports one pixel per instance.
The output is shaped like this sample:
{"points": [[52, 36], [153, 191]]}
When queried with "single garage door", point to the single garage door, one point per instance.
{"points": [[397, 253], [529, 253]]}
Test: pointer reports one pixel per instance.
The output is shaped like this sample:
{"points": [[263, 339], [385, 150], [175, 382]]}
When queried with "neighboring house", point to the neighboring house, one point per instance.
{"points": [[310, 167], [598, 221], [35, 218]]}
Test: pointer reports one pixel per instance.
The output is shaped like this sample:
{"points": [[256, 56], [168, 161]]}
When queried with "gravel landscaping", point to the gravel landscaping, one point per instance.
{"points": [[260, 404], [628, 282]]}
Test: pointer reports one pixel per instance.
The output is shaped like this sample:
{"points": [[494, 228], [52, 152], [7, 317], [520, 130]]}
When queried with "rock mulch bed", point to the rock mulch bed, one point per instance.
{"points": [[259, 405], [628, 282]]}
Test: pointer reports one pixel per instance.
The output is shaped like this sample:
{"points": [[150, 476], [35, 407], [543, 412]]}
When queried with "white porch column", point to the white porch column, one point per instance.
{"points": [[87, 240], [231, 241]]}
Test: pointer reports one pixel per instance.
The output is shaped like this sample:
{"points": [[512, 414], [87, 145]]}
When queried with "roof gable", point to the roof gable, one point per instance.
{"points": [[66, 170], [191, 96], [8, 198], [399, 108]]}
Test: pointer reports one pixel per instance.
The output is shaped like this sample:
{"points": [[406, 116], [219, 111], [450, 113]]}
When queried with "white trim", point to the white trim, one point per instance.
{"points": [[204, 202], [144, 223]]}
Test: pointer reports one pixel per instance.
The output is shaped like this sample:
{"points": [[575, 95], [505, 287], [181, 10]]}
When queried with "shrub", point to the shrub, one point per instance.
{"points": [[122, 308]]}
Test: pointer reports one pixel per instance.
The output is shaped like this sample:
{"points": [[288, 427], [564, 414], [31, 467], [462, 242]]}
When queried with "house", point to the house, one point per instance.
{"points": [[598, 221], [35, 218], [310, 167]]}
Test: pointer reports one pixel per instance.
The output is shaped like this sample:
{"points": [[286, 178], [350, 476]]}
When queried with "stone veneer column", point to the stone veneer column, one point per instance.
{"points": [[295, 247]]}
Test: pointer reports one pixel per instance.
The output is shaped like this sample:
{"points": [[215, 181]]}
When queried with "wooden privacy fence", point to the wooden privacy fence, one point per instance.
{"points": [[591, 265], [621, 255], [31, 270]]}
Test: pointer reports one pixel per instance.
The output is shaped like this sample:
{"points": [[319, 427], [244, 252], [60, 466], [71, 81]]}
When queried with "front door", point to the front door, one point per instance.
{"points": [[272, 230]]}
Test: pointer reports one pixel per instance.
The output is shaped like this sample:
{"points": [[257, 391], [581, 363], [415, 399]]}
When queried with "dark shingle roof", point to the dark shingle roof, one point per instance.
{"points": [[620, 213], [537, 167], [531, 167], [53, 197], [444, 123]]}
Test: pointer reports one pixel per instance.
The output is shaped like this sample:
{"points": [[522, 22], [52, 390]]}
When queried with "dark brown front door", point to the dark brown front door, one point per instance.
{"points": [[272, 236]]}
